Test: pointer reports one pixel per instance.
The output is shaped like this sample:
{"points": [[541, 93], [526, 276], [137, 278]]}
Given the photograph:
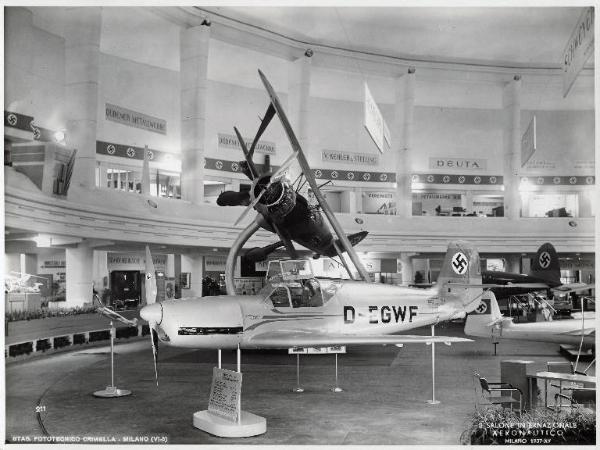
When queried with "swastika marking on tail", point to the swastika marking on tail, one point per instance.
{"points": [[544, 260], [460, 263], [482, 308]]}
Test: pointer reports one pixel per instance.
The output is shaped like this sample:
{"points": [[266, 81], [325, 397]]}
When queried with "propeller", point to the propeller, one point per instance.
{"points": [[276, 177], [152, 312]]}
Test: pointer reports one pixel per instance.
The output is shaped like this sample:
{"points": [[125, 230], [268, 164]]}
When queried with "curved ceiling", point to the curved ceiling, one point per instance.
{"points": [[526, 37]]}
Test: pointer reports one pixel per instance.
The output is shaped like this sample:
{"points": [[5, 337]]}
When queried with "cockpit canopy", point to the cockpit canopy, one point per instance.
{"points": [[291, 284]]}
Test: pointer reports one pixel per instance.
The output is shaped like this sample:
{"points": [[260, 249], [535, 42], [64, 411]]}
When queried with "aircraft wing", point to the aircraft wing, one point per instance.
{"points": [[584, 332], [576, 287], [503, 286], [310, 339]]}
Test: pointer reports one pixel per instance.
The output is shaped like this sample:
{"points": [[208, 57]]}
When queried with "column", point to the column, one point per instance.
{"points": [[82, 56], [401, 145], [100, 271], [79, 273], [298, 108], [28, 263], [192, 264], [511, 102], [513, 264], [406, 267], [195, 42], [19, 41], [348, 202]]}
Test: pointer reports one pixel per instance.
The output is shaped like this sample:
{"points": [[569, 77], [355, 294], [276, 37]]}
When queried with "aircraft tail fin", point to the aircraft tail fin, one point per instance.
{"points": [[483, 319], [461, 266], [545, 265]]}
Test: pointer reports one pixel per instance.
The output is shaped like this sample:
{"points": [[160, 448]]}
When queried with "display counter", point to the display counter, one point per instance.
{"points": [[21, 301]]}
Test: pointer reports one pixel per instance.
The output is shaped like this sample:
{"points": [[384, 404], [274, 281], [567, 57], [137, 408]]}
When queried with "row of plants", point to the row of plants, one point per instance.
{"points": [[501, 426], [44, 313]]}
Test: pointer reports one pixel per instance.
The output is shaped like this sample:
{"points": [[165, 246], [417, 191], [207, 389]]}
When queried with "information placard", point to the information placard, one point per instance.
{"points": [[317, 350], [226, 394]]}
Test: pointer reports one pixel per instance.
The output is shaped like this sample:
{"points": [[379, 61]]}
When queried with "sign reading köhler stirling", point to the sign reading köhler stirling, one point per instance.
{"points": [[135, 119], [231, 141], [359, 159]]}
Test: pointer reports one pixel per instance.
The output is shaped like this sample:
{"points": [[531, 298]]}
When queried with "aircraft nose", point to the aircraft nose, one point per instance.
{"points": [[152, 313]]}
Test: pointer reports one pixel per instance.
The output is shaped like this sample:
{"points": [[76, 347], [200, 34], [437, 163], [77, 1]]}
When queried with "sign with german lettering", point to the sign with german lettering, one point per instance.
{"points": [[359, 159], [578, 49], [528, 142], [374, 122], [457, 163], [135, 119], [317, 350], [215, 263], [231, 141], [225, 394]]}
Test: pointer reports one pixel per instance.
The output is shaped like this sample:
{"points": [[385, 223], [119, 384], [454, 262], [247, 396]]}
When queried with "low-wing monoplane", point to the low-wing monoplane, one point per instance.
{"points": [[543, 276], [487, 321], [297, 309]]}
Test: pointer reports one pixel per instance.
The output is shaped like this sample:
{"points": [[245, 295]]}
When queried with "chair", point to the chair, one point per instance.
{"points": [[505, 390], [584, 398]]}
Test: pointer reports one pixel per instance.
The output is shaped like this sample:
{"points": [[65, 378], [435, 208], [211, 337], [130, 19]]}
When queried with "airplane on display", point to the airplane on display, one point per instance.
{"points": [[487, 321], [297, 309]]}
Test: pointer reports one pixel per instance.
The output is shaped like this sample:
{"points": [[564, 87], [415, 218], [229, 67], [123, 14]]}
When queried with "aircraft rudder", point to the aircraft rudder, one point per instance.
{"points": [[545, 265]]}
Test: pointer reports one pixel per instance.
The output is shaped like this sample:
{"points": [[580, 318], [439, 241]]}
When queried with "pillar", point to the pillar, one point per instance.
{"points": [[82, 59], [100, 270], [79, 273], [513, 264], [299, 80], [401, 145], [192, 264], [511, 102], [19, 41], [348, 202], [195, 42], [406, 268], [28, 264]]}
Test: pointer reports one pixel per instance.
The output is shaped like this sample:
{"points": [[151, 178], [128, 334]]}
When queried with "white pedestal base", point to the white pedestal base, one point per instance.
{"points": [[433, 402], [250, 425], [112, 391], [337, 389], [298, 389]]}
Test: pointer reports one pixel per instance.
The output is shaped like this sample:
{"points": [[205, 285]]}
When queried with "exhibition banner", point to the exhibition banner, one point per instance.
{"points": [[135, 119], [578, 49], [374, 122], [231, 141], [528, 142], [457, 163], [359, 159], [225, 394]]}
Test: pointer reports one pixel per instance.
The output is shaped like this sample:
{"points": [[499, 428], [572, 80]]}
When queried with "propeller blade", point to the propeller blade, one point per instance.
{"points": [[263, 126], [154, 341], [247, 154], [251, 205], [150, 282]]}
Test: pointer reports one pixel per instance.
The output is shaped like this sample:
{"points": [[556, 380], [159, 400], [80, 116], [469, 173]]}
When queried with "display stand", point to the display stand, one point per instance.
{"points": [[336, 388], [298, 388], [433, 401], [112, 391], [245, 424]]}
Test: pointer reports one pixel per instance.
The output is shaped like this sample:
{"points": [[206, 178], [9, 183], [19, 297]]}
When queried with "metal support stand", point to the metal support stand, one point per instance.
{"points": [[433, 401], [298, 388], [336, 388], [495, 345], [239, 359], [112, 391], [219, 358]]}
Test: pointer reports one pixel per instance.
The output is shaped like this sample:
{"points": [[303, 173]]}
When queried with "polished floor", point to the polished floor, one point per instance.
{"points": [[384, 398]]}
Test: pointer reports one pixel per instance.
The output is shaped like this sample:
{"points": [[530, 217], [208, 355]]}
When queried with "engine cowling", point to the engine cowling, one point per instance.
{"points": [[279, 199]]}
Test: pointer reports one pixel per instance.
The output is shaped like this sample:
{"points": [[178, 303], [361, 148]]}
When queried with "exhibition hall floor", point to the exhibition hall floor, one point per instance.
{"points": [[384, 399]]}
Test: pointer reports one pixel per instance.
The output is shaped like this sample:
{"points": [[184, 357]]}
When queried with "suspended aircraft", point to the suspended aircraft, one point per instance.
{"points": [[297, 309], [487, 321], [281, 208]]}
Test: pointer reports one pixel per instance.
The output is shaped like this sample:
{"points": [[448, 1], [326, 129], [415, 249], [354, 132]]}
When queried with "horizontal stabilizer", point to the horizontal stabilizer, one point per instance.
{"points": [[310, 339], [576, 287], [354, 238]]}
